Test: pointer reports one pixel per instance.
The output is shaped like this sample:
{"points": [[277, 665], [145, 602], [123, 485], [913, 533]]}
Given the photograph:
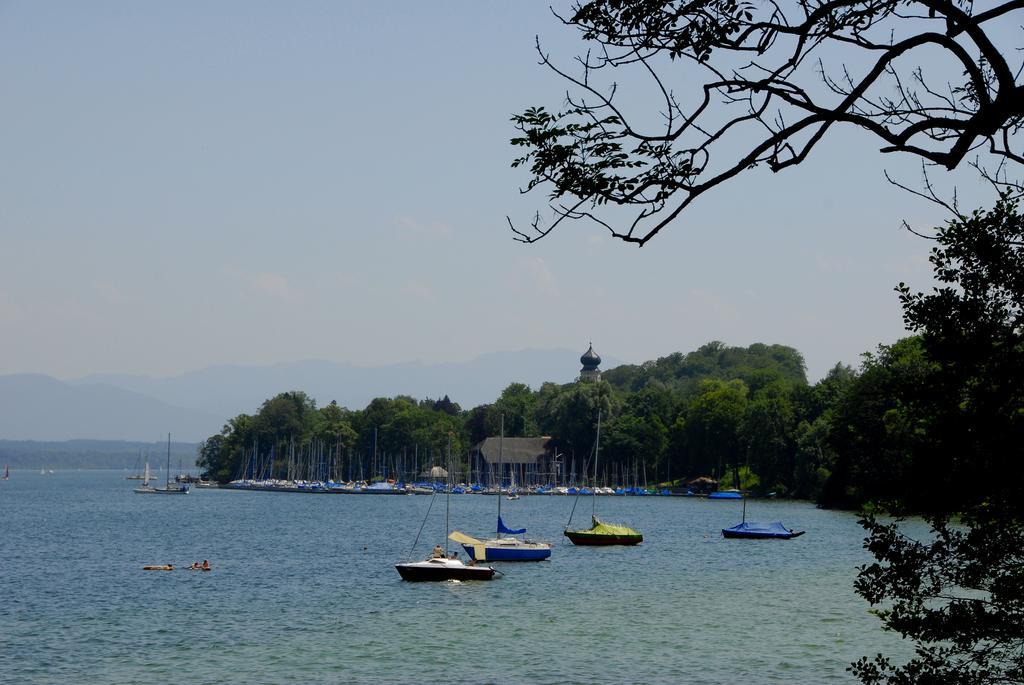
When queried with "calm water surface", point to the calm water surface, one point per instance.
{"points": [[304, 591]]}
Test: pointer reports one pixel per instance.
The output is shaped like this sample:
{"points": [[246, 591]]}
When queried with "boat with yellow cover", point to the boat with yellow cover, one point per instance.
{"points": [[601, 533]]}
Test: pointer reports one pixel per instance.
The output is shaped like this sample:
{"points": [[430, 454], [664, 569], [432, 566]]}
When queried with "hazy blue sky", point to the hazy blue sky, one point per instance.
{"points": [[187, 184]]}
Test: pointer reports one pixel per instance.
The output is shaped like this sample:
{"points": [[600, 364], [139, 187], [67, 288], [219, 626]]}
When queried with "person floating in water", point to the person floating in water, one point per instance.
{"points": [[206, 565]]}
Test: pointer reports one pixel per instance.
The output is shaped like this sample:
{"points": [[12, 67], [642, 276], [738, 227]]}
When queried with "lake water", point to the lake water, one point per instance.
{"points": [[303, 590]]}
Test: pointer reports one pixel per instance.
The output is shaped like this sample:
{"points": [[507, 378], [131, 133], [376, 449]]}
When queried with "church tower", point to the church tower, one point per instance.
{"points": [[590, 362]]}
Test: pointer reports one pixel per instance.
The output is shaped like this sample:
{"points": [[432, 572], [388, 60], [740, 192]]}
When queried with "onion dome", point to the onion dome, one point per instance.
{"points": [[590, 359]]}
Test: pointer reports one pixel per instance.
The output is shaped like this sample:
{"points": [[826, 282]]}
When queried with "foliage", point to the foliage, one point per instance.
{"points": [[517, 404], [768, 430], [629, 438], [877, 432], [756, 365], [447, 406], [712, 410], [749, 481], [960, 595], [213, 459], [573, 413], [738, 85], [972, 327], [290, 422], [813, 459], [713, 427]]}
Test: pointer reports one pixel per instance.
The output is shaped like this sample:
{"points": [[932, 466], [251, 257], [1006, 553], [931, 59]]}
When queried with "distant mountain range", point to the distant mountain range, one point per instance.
{"points": [[95, 454], [195, 405], [37, 407]]}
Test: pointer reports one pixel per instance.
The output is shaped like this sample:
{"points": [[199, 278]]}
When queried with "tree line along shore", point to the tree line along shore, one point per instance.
{"points": [[745, 416]]}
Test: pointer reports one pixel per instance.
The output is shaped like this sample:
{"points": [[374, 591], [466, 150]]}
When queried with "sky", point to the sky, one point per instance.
{"points": [[191, 184]]}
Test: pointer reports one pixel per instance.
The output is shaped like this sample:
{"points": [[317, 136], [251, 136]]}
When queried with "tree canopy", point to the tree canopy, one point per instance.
{"points": [[959, 594], [716, 409], [743, 84]]}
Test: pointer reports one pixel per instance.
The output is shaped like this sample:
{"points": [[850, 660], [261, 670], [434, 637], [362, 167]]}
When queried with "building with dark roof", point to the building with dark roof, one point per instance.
{"points": [[529, 461]]}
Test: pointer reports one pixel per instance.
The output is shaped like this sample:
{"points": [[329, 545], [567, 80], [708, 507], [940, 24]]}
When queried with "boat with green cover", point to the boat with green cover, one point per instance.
{"points": [[600, 533]]}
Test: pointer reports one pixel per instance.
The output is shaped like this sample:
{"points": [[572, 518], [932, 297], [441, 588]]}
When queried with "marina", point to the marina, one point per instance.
{"points": [[428, 488]]}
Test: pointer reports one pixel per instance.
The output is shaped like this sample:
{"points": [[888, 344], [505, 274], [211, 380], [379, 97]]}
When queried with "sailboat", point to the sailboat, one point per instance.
{"points": [[145, 479], [7, 472], [513, 491], [167, 489], [443, 567], [502, 548], [136, 473], [760, 531], [601, 533]]}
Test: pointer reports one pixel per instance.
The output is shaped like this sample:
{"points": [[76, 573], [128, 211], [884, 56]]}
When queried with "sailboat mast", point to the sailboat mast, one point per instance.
{"points": [[167, 479], [448, 495], [501, 465], [597, 447]]}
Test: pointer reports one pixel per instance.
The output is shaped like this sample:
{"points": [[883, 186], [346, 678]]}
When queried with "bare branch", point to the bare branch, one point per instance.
{"points": [[755, 62]]}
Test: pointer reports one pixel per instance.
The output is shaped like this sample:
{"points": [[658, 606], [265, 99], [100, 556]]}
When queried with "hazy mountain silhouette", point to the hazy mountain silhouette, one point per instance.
{"points": [[230, 390], [195, 405], [96, 454], [38, 407]]}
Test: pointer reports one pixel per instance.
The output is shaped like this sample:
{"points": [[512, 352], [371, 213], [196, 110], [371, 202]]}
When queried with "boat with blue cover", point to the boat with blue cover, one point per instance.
{"points": [[502, 548], [761, 531], [383, 487]]}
